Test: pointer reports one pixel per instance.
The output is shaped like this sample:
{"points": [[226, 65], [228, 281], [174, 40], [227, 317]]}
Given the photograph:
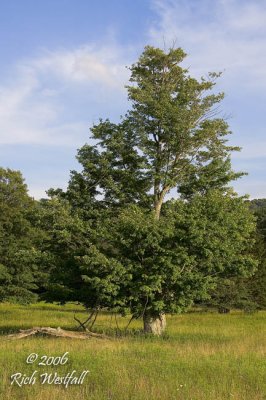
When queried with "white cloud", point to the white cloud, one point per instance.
{"points": [[40, 104], [85, 65], [222, 34]]}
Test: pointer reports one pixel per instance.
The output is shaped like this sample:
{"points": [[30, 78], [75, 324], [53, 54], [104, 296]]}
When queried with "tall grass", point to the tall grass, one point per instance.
{"points": [[203, 356]]}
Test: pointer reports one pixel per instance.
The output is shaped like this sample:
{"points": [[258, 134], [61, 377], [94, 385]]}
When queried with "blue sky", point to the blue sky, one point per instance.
{"points": [[63, 64]]}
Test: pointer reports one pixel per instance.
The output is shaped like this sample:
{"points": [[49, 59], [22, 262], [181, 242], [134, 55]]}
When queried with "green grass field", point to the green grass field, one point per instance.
{"points": [[203, 356]]}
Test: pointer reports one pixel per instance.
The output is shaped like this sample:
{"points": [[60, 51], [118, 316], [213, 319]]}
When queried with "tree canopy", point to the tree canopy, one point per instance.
{"points": [[150, 255]]}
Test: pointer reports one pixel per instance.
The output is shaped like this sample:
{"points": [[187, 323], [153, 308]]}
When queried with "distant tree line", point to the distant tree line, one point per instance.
{"points": [[246, 293]]}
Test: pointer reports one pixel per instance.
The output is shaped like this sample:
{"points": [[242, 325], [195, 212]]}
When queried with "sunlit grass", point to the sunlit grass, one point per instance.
{"points": [[203, 356]]}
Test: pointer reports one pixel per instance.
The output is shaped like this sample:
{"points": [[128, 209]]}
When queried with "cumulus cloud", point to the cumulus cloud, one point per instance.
{"points": [[218, 35], [85, 65], [39, 101]]}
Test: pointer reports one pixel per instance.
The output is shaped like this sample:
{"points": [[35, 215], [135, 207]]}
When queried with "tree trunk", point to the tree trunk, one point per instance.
{"points": [[154, 324], [157, 207], [158, 200]]}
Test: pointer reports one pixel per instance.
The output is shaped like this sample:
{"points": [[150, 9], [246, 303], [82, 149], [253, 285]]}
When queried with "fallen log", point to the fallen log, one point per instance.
{"points": [[21, 334], [58, 332]]}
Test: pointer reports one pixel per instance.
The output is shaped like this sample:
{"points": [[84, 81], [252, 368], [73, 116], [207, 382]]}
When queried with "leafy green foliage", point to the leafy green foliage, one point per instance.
{"points": [[175, 121], [80, 271], [257, 283], [178, 258], [20, 256], [246, 292], [136, 251]]}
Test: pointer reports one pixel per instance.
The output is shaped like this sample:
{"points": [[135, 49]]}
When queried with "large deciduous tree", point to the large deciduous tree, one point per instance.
{"points": [[171, 139]]}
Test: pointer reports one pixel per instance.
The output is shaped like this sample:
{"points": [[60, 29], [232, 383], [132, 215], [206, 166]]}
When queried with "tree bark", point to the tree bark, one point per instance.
{"points": [[158, 200], [154, 324], [157, 207]]}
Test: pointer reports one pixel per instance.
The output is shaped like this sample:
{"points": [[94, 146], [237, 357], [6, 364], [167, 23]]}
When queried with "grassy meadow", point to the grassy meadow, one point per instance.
{"points": [[203, 356]]}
